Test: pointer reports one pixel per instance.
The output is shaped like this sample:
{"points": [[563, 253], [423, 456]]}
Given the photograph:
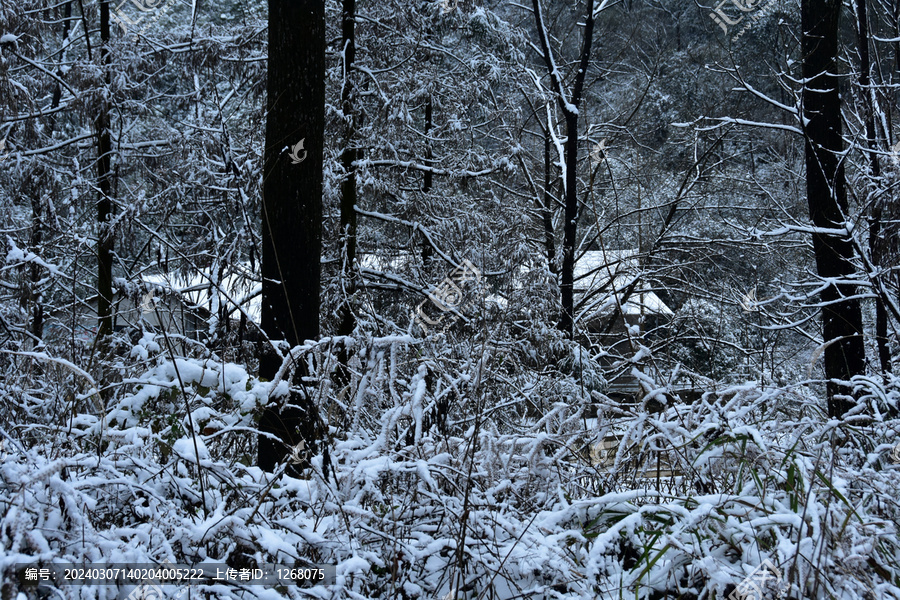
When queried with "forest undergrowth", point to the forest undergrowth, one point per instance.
{"points": [[468, 476]]}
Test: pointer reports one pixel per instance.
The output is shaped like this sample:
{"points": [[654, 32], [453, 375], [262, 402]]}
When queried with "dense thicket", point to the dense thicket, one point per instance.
{"points": [[464, 445]]}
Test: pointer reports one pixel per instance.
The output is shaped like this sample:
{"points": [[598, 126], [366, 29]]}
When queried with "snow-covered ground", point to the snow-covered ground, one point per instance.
{"points": [[495, 508]]}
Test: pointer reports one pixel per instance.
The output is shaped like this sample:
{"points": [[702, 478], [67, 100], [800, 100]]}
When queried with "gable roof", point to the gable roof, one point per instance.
{"points": [[599, 274]]}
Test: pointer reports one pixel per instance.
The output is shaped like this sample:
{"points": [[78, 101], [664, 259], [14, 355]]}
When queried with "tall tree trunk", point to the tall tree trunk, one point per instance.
{"points": [[896, 43], [348, 193], [37, 319], [427, 250], [569, 107], [348, 157], [429, 122], [567, 285], [57, 91], [104, 202], [868, 97], [37, 322], [827, 198], [547, 208], [292, 214]]}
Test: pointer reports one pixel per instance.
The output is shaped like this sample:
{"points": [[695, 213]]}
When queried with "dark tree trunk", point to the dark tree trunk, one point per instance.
{"points": [[348, 193], [891, 232], [104, 202], [37, 319], [292, 214], [427, 250], [567, 323], [896, 44], [440, 411], [429, 176], [881, 339], [348, 157], [547, 208], [57, 91], [827, 198], [569, 107]]}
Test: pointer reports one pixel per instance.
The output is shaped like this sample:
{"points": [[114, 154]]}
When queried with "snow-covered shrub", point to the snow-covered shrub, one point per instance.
{"points": [[441, 480]]}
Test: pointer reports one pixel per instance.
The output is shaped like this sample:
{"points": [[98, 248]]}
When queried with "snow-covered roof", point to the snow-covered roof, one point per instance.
{"points": [[597, 273], [594, 270], [239, 287], [612, 271]]}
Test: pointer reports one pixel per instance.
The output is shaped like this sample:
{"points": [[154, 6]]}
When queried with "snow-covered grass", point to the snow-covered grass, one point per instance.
{"points": [[443, 480]]}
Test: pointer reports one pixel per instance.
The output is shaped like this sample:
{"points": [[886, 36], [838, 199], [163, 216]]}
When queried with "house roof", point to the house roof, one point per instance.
{"points": [[599, 274], [240, 286]]}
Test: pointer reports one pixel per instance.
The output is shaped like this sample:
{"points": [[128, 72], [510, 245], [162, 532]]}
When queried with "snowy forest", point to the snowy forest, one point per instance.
{"points": [[450, 299]]}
